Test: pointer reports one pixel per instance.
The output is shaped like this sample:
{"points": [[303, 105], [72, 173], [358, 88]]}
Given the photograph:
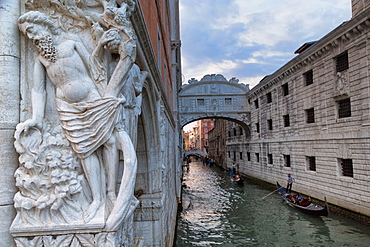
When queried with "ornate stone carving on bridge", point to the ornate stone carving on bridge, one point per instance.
{"points": [[214, 96], [84, 90]]}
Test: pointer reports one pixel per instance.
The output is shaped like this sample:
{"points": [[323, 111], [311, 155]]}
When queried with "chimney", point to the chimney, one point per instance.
{"points": [[358, 6]]}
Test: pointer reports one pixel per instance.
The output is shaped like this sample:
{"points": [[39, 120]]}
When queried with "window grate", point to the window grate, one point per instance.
{"points": [[287, 160], [344, 108], [286, 120], [285, 89], [342, 62], [269, 124], [308, 77], [269, 97], [347, 167], [200, 102], [312, 163], [270, 159], [310, 115], [256, 105]]}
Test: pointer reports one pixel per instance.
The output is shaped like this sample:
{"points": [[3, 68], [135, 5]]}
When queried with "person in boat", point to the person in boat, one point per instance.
{"points": [[236, 177], [290, 181]]}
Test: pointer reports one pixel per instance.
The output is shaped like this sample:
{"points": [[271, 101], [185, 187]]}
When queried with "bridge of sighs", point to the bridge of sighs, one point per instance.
{"points": [[214, 97]]}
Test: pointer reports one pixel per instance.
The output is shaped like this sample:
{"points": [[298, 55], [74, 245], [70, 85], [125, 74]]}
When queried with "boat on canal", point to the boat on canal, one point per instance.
{"points": [[302, 204], [237, 179]]}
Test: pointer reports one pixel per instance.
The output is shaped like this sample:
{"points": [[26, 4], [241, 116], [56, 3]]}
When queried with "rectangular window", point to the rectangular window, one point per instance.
{"points": [[241, 131], [200, 102], [308, 77], [285, 89], [257, 157], [228, 101], [256, 105], [248, 156], [234, 130], [228, 154], [286, 160], [258, 127], [286, 120], [269, 97], [310, 115], [341, 62], [241, 155], [344, 108], [346, 167], [311, 163], [269, 124], [229, 133], [270, 160]]}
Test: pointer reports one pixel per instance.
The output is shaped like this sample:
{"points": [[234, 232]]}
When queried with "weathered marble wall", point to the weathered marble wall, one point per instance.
{"points": [[9, 112]]}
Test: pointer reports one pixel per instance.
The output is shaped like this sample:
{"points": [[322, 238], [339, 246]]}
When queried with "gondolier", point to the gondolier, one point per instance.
{"points": [[290, 181]]}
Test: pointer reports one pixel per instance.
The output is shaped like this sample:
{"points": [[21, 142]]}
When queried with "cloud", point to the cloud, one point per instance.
{"points": [[251, 81], [250, 39]]}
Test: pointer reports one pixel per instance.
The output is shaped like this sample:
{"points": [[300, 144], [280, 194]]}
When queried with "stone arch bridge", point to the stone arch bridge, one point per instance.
{"points": [[214, 97]]}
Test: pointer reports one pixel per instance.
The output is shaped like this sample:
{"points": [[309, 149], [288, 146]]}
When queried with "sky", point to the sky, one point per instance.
{"points": [[249, 39]]}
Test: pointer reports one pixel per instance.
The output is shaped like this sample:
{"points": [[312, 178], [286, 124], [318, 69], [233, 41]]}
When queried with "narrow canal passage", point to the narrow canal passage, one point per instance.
{"points": [[219, 213]]}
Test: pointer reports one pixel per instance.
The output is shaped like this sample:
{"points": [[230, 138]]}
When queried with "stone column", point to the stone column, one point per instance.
{"points": [[9, 112]]}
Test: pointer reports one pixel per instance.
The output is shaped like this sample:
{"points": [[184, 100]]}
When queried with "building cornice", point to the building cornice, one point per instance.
{"points": [[343, 34]]}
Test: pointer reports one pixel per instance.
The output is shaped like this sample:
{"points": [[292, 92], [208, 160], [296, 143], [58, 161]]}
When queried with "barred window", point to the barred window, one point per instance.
{"points": [[341, 62], [269, 124], [311, 163], [286, 120], [200, 102], [258, 127], [285, 89], [257, 157], [344, 108], [308, 77], [256, 103], [286, 160], [347, 167], [269, 97], [310, 115], [270, 159]]}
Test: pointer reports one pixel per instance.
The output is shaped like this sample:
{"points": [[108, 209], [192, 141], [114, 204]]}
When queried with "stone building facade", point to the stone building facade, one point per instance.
{"points": [[311, 118], [217, 142], [157, 186]]}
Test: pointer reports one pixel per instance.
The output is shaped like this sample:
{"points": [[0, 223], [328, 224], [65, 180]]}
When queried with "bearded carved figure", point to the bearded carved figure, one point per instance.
{"points": [[84, 96]]}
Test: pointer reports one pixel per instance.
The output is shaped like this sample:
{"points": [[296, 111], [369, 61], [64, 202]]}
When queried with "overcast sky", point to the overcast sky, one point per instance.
{"points": [[249, 39]]}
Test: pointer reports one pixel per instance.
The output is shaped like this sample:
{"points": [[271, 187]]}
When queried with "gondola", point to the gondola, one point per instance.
{"points": [[305, 206], [238, 180]]}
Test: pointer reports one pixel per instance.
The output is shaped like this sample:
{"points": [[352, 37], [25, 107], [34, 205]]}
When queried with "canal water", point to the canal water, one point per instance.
{"points": [[218, 213]]}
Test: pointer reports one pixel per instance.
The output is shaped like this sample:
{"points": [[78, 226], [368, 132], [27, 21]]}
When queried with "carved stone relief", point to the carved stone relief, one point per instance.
{"points": [[84, 62]]}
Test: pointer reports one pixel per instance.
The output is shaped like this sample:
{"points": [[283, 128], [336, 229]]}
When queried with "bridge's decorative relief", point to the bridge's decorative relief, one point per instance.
{"points": [[213, 97]]}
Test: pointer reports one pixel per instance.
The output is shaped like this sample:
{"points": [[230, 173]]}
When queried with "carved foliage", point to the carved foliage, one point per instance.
{"points": [[49, 176]]}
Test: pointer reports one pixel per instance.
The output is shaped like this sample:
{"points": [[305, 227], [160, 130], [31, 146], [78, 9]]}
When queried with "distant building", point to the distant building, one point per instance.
{"points": [[217, 142]]}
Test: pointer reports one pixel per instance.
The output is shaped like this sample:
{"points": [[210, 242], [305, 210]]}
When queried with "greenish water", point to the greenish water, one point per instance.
{"points": [[223, 214]]}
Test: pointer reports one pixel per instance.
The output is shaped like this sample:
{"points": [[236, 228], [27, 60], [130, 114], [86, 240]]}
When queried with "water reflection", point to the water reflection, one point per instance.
{"points": [[219, 213]]}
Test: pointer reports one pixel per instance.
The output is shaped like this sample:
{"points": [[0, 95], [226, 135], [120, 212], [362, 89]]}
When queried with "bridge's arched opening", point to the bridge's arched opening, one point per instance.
{"points": [[210, 138]]}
